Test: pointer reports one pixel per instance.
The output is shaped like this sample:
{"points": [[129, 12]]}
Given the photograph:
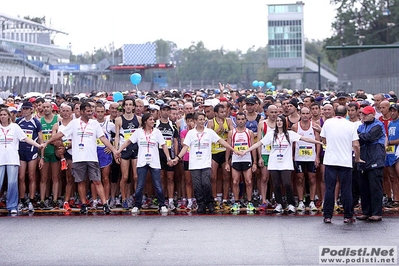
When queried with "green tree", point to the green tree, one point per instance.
{"points": [[40, 20], [359, 22]]}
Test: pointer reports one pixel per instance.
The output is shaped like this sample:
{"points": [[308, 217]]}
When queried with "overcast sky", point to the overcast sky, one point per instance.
{"points": [[233, 24]]}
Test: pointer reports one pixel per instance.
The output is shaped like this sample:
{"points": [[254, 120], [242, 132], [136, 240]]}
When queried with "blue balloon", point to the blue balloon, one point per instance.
{"points": [[269, 85], [272, 88], [261, 84], [135, 78], [255, 83], [118, 96]]}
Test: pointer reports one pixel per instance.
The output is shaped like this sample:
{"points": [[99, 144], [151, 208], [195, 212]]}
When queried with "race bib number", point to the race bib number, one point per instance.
{"points": [[304, 151], [46, 135], [29, 133], [127, 133], [99, 142], [168, 143], [240, 147], [390, 149]]}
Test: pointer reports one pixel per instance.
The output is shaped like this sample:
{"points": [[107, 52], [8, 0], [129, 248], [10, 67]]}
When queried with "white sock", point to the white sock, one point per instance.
{"points": [[170, 200]]}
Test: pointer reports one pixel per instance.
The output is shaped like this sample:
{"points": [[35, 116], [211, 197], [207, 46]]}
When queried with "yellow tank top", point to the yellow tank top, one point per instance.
{"points": [[217, 147]]}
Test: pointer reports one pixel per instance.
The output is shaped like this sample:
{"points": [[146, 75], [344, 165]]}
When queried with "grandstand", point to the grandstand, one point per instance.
{"points": [[26, 52]]}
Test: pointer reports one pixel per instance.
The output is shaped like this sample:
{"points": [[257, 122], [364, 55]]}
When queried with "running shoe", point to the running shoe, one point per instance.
{"points": [[301, 206], [163, 209], [327, 220], [250, 207], [125, 206], [278, 209], [349, 220], [21, 207], [211, 207], [117, 202], [67, 207], [64, 164], [235, 207], [225, 206], [71, 202], [14, 212], [263, 207], [190, 205], [135, 210], [83, 209], [147, 203], [94, 204], [172, 206], [216, 205], [312, 206], [54, 205], [30, 207], [291, 209], [112, 203], [106, 209]]}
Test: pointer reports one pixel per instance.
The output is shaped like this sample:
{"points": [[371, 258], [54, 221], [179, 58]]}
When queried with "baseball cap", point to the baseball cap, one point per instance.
{"points": [[32, 100], [165, 105], [27, 105], [394, 106], [153, 107], [55, 107], [12, 109], [208, 103], [368, 110], [223, 99], [341, 95], [250, 100]]}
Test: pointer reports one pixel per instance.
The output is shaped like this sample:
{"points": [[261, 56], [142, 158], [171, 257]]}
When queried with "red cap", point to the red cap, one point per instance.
{"points": [[55, 107], [110, 98], [32, 100], [368, 110], [223, 99]]}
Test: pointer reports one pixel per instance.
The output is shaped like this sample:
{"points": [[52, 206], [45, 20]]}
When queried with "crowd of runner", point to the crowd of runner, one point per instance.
{"points": [[183, 151]]}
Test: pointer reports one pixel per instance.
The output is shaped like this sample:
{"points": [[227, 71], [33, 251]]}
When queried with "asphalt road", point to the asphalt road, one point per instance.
{"points": [[123, 239]]}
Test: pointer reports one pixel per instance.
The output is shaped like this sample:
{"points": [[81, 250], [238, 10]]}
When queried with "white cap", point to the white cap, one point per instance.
{"points": [[145, 102], [208, 102], [1, 101], [154, 107]]}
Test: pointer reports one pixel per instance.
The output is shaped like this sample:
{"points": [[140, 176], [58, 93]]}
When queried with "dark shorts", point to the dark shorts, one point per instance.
{"points": [[67, 156], [27, 156], [50, 158], [104, 159], [322, 159], [265, 158], [129, 154], [241, 166], [165, 166], [185, 166], [80, 170], [219, 158], [300, 167]]}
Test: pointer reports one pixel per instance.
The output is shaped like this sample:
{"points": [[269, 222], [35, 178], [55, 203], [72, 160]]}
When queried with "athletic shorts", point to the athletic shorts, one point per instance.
{"points": [[67, 156], [104, 159], [300, 167], [185, 166], [50, 158], [80, 170], [265, 158], [322, 159], [129, 154], [219, 158], [241, 166], [27, 156], [391, 160], [164, 164]]}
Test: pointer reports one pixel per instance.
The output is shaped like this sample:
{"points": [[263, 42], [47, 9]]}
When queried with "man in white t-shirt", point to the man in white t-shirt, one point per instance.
{"points": [[338, 161], [84, 133]]}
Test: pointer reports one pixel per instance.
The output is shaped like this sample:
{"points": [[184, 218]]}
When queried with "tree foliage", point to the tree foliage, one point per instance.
{"points": [[358, 22]]}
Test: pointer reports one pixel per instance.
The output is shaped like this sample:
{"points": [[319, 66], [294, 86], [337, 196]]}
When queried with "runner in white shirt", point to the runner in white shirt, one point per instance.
{"points": [[84, 133], [200, 140], [10, 136], [148, 139], [280, 160]]}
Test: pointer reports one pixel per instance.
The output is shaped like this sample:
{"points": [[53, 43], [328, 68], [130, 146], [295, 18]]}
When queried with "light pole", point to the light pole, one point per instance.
{"points": [[23, 58]]}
